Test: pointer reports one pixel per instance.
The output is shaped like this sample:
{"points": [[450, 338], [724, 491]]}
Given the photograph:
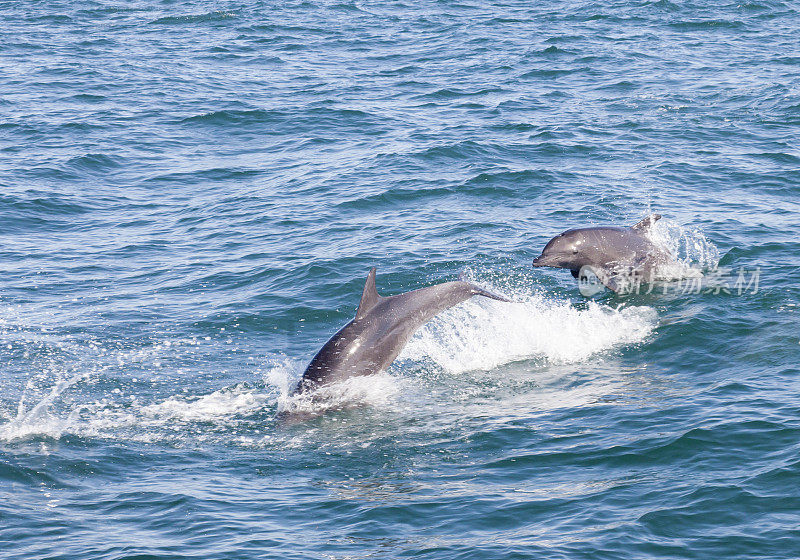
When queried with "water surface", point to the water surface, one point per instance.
{"points": [[192, 195]]}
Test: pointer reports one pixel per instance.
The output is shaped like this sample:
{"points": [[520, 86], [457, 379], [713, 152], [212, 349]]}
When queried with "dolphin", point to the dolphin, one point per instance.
{"points": [[620, 257], [380, 330]]}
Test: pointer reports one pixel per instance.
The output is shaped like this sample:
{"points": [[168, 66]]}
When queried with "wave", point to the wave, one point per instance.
{"points": [[95, 163], [474, 335], [194, 18]]}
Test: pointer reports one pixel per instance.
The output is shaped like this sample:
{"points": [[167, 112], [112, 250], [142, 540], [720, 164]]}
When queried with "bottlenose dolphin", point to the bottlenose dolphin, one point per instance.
{"points": [[620, 257], [380, 330]]}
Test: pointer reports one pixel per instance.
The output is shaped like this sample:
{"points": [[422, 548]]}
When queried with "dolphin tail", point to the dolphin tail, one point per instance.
{"points": [[486, 293], [478, 291]]}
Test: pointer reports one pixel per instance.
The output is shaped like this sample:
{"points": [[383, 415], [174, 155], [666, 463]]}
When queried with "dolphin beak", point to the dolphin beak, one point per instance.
{"points": [[541, 260]]}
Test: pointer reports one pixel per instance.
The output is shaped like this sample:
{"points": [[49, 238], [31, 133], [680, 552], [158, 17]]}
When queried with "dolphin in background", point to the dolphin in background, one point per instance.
{"points": [[620, 257], [380, 330]]}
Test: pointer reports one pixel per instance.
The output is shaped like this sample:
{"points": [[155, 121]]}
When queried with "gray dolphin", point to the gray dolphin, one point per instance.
{"points": [[620, 257], [380, 330]]}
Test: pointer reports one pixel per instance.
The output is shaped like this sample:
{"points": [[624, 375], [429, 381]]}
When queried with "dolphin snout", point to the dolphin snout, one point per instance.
{"points": [[543, 260]]}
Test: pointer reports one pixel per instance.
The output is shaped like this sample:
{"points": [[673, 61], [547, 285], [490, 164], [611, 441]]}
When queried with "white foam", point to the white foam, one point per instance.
{"points": [[284, 373], [482, 334], [219, 405], [175, 418], [150, 422], [368, 390]]}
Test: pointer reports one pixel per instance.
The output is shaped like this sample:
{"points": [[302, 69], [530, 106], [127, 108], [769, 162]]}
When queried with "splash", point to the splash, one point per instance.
{"points": [[215, 417], [105, 418], [482, 335], [477, 335], [38, 419], [369, 390], [692, 250], [241, 399]]}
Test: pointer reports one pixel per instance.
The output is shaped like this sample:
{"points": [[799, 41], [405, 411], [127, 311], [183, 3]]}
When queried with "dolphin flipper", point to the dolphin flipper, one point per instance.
{"points": [[611, 282], [605, 276], [622, 279]]}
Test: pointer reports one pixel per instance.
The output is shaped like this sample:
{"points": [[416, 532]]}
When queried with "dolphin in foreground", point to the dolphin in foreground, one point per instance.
{"points": [[620, 257], [380, 330]]}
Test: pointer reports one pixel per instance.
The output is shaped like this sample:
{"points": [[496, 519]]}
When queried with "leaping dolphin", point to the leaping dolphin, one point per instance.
{"points": [[620, 257], [380, 330]]}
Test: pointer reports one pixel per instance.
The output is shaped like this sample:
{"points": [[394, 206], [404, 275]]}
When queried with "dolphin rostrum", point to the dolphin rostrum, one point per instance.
{"points": [[620, 257], [380, 330]]}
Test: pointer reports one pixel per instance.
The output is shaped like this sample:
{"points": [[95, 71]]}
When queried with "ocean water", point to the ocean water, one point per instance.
{"points": [[192, 193]]}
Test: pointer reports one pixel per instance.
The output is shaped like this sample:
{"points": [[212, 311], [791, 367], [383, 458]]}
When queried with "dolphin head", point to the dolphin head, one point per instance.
{"points": [[566, 250]]}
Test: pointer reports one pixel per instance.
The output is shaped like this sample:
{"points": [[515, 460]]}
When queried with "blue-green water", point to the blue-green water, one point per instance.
{"points": [[191, 195]]}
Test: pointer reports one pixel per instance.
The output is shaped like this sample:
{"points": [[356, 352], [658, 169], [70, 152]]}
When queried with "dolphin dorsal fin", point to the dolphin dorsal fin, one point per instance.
{"points": [[646, 223], [369, 297]]}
